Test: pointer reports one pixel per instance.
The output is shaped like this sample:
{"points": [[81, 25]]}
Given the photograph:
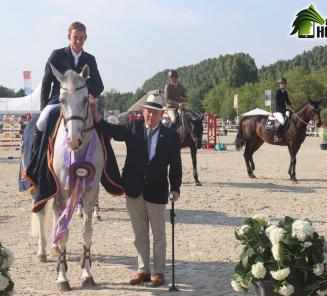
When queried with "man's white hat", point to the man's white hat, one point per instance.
{"points": [[154, 102]]}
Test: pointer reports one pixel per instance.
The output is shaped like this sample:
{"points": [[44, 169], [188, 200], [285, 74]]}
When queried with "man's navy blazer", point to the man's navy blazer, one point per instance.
{"points": [[62, 59], [141, 176]]}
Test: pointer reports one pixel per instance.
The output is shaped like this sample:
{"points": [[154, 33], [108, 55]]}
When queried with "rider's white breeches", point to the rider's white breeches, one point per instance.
{"points": [[280, 117], [42, 121]]}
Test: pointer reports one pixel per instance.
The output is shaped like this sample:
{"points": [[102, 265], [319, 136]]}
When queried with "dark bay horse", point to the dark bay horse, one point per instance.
{"points": [[252, 133], [190, 129]]}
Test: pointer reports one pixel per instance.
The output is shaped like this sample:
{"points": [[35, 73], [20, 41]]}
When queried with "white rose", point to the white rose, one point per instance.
{"points": [[258, 270], [261, 219], [236, 286], [302, 229], [8, 258], [321, 293], [244, 229], [277, 252], [318, 270], [286, 290], [280, 274], [4, 282], [275, 234]]}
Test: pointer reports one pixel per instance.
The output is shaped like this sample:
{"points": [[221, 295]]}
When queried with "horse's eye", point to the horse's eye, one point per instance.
{"points": [[63, 101]]}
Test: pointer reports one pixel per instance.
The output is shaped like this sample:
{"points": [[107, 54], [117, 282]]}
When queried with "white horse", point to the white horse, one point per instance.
{"points": [[74, 137]]}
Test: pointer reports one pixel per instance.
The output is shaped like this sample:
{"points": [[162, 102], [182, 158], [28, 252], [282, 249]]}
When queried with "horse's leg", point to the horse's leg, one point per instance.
{"points": [[62, 281], [96, 211], [42, 254], [254, 149], [80, 209], [291, 171], [194, 163], [89, 200], [247, 156]]}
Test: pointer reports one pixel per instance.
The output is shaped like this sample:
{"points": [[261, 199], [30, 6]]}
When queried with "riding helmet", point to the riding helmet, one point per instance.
{"points": [[282, 80], [172, 73]]}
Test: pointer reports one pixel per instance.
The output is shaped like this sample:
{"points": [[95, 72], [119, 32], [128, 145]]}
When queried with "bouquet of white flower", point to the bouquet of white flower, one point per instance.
{"points": [[6, 260], [290, 256]]}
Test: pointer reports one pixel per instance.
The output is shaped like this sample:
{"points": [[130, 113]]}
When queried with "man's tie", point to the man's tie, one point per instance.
{"points": [[150, 133]]}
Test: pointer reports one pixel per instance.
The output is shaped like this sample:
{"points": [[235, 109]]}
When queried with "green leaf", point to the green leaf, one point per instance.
{"points": [[245, 261]]}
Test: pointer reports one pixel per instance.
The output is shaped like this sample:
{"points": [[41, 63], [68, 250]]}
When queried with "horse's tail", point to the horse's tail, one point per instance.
{"points": [[239, 141]]}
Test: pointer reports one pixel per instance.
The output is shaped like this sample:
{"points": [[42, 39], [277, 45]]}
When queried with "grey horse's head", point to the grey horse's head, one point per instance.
{"points": [[74, 104]]}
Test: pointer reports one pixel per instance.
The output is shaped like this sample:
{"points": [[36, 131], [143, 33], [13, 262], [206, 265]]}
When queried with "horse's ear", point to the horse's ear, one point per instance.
{"points": [[60, 77], [85, 72]]}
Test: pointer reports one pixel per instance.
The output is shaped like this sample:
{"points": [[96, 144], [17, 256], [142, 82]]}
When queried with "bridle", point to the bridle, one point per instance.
{"points": [[76, 117], [310, 107]]}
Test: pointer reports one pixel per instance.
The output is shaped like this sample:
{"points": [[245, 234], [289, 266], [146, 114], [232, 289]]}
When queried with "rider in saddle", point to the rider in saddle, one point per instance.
{"points": [[72, 57], [280, 108], [175, 96]]}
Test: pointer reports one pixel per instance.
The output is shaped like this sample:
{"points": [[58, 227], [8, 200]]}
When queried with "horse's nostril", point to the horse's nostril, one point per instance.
{"points": [[80, 142]]}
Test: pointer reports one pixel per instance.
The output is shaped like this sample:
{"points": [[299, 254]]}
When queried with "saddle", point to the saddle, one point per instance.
{"points": [[272, 123]]}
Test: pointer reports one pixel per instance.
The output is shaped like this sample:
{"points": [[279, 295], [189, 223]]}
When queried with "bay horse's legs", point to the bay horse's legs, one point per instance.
{"points": [[250, 148], [62, 281], [89, 201], [255, 147], [291, 171], [194, 163]]}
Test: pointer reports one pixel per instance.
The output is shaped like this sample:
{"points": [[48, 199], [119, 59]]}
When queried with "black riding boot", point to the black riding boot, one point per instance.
{"points": [[37, 137], [278, 133]]}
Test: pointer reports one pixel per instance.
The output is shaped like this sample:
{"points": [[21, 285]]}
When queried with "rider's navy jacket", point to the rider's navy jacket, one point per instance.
{"points": [[281, 100]]}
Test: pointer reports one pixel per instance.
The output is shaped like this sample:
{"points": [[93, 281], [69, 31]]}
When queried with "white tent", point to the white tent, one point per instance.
{"points": [[30, 103], [256, 111]]}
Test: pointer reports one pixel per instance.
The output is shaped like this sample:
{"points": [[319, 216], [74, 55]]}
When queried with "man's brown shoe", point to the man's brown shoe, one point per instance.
{"points": [[139, 278], [157, 280]]}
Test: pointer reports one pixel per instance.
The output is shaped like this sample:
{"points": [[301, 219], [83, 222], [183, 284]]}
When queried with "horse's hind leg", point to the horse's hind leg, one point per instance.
{"points": [[40, 216], [194, 163], [247, 156], [254, 149]]}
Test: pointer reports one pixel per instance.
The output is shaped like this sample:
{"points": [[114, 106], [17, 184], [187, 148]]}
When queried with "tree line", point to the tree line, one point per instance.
{"points": [[212, 83]]}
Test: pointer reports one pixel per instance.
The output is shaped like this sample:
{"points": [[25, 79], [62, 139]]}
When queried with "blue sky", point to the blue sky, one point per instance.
{"points": [[134, 39]]}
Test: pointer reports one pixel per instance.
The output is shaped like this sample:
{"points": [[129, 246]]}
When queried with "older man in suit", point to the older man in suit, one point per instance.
{"points": [[72, 57], [151, 149]]}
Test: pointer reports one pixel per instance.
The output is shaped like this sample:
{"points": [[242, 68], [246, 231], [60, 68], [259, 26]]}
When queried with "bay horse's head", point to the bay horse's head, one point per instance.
{"points": [[314, 111], [74, 104]]}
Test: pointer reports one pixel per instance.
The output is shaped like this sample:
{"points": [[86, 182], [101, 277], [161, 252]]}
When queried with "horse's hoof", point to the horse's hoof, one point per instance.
{"points": [[88, 282], [294, 180], [252, 176], [41, 257], [55, 251], [80, 215], [99, 218], [63, 286], [198, 183]]}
